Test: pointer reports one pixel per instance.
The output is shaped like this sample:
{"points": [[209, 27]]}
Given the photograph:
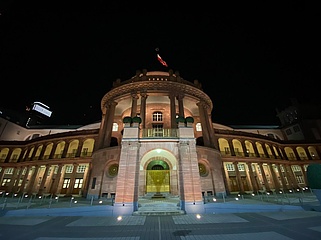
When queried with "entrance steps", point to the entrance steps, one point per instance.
{"points": [[166, 205]]}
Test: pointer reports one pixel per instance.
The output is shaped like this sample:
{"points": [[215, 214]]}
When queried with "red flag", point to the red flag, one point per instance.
{"points": [[161, 60]]}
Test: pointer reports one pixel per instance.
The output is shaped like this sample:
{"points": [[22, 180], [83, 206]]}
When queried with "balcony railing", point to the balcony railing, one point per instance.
{"points": [[159, 133]]}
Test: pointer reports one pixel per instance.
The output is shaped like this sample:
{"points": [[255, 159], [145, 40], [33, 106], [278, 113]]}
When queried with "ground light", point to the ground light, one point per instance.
{"points": [[119, 218], [198, 216]]}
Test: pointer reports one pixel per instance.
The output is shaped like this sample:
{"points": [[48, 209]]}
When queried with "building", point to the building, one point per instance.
{"points": [[156, 138]]}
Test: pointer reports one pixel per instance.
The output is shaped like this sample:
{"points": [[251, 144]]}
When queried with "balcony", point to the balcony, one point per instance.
{"points": [[159, 133]]}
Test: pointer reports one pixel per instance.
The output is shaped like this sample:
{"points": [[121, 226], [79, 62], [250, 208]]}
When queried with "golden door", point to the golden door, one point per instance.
{"points": [[157, 181]]}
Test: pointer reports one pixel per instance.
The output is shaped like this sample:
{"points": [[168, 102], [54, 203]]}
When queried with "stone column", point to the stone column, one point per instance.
{"points": [[274, 177], [24, 181], [205, 132], [43, 181], [238, 177], [267, 186], [134, 105], [80, 145], [109, 124], [172, 110], [281, 174], [126, 200], [32, 180], [231, 146], [53, 150], [189, 179], [252, 178], [181, 105], [56, 180], [143, 109], [8, 155]]}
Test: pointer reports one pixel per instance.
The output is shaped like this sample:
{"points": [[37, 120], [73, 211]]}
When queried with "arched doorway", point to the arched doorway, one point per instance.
{"points": [[157, 176]]}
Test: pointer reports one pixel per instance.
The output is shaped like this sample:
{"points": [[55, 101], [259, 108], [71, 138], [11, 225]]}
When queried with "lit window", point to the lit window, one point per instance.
{"points": [[157, 117], [78, 183], [8, 171], [230, 167], [69, 168], [198, 127], [81, 168], [115, 127], [66, 183]]}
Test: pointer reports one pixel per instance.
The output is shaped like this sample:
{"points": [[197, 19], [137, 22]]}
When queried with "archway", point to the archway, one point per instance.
{"points": [[158, 173], [158, 176]]}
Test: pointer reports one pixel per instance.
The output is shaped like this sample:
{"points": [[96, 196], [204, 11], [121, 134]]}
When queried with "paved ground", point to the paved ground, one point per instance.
{"points": [[248, 219]]}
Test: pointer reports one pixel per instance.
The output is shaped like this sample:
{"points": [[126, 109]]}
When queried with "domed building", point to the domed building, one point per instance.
{"points": [[156, 139]]}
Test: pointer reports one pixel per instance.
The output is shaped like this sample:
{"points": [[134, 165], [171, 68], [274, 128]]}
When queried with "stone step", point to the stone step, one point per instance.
{"points": [[152, 212]]}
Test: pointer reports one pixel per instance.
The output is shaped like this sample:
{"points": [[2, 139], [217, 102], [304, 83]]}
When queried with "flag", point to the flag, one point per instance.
{"points": [[161, 61]]}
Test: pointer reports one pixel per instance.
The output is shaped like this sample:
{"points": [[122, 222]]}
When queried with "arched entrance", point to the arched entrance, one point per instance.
{"points": [[157, 176], [158, 173]]}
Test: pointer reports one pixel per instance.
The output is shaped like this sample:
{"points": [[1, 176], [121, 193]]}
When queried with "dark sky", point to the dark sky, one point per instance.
{"points": [[250, 57]]}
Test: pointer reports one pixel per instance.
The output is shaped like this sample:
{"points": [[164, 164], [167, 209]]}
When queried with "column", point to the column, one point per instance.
{"points": [[205, 134], [22, 154], [16, 184], [80, 145], [65, 151], [230, 143], [43, 181], [134, 105], [253, 181], [172, 110], [180, 105], [42, 152], [246, 154], [56, 180], [274, 177], [32, 180], [53, 150], [8, 155], [238, 177], [284, 185], [25, 178], [109, 124], [267, 186], [143, 109], [291, 177]]}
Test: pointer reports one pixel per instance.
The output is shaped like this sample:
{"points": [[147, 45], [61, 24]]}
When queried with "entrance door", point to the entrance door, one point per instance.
{"points": [[157, 181]]}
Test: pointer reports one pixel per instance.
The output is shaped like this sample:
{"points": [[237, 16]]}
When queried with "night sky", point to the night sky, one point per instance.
{"points": [[249, 58]]}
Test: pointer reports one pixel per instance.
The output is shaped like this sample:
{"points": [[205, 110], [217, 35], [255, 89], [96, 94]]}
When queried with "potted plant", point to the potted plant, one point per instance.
{"points": [[314, 179]]}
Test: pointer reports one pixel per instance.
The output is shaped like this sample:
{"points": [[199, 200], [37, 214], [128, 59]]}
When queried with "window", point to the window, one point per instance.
{"points": [[66, 183], [300, 179], [288, 131], [241, 167], [296, 128], [78, 183], [5, 181], [69, 168], [227, 150], [8, 171], [198, 127], [115, 127], [157, 117], [230, 167], [296, 168], [158, 130], [81, 168]]}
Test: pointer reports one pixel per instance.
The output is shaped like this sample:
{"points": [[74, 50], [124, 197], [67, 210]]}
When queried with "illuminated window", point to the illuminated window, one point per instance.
{"points": [[5, 181], [198, 127], [69, 168], [8, 171], [115, 127], [241, 167], [157, 117], [81, 168], [158, 130], [78, 183], [230, 167], [66, 183]]}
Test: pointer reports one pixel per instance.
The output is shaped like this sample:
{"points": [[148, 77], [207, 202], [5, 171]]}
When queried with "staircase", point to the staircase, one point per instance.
{"points": [[165, 205]]}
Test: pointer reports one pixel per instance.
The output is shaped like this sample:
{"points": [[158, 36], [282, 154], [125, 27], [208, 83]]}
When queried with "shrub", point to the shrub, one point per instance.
{"points": [[127, 120], [314, 176]]}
